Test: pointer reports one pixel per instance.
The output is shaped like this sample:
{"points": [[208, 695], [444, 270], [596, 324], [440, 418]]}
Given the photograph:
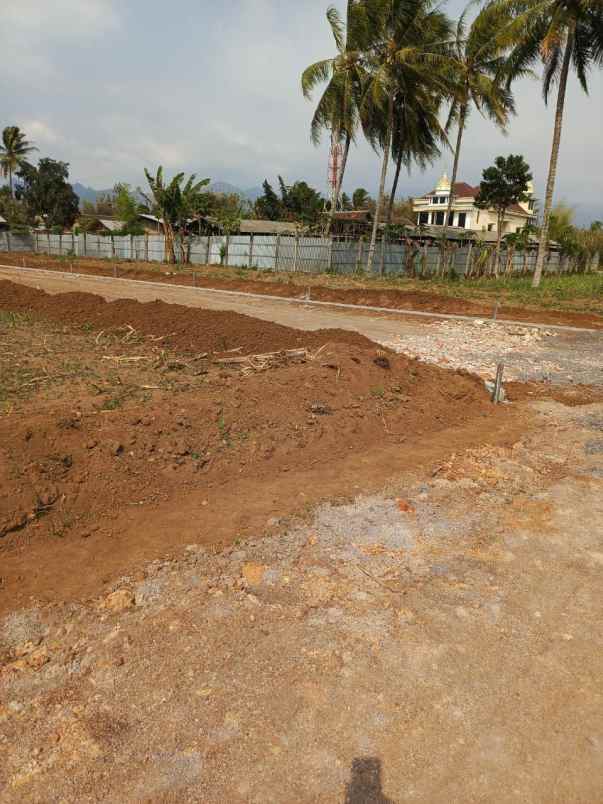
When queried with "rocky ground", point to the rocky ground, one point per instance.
{"points": [[369, 585], [529, 354], [436, 642]]}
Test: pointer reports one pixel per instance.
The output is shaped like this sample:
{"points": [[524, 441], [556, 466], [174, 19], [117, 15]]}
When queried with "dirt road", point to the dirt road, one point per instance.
{"points": [[378, 328], [438, 643], [351, 579]]}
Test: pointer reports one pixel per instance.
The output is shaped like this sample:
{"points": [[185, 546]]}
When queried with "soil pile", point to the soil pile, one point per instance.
{"points": [[121, 449], [187, 329]]}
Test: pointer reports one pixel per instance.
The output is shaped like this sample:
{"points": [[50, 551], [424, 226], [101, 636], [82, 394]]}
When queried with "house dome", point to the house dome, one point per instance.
{"points": [[443, 186]]}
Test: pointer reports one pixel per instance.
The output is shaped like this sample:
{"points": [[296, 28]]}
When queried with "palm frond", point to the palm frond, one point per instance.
{"points": [[337, 28], [315, 74]]}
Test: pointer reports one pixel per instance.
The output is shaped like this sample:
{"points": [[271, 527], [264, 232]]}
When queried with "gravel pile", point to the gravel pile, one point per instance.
{"points": [[478, 346]]}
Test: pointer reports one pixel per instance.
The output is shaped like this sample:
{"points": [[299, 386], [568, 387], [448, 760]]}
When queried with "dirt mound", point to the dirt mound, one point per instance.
{"points": [[391, 298], [114, 450], [188, 329]]}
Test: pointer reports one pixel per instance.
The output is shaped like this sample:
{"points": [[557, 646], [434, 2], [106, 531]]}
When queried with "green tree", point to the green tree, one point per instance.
{"points": [[127, 209], [346, 202], [405, 34], [300, 202], [344, 75], [417, 134], [478, 79], [503, 184], [268, 207], [175, 204], [14, 211], [360, 198], [47, 193], [228, 209], [14, 151], [563, 34]]}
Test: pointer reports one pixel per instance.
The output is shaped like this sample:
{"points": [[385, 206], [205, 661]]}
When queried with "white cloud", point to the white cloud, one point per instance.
{"points": [[61, 18], [40, 132], [32, 33]]}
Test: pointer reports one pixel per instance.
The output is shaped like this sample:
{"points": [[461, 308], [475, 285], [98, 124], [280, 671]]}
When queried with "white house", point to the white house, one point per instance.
{"points": [[430, 209]]}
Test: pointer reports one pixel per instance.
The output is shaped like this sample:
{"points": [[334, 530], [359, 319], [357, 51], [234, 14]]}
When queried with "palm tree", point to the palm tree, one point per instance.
{"points": [[13, 153], [477, 67], [174, 205], [405, 34], [360, 198], [563, 34], [337, 109], [417, 135]]}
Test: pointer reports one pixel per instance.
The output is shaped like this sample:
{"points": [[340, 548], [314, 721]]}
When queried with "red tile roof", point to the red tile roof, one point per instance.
{"points": [[461, 190], [353, 215]]}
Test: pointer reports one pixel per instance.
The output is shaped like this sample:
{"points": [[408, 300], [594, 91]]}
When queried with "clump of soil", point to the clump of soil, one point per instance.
{"points": [[570, 395], [186, 328], [115, 447]]}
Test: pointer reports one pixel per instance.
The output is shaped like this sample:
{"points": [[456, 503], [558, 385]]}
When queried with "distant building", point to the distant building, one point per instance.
{"points": [[430, 209], [150, 223], [3, 224], [264, 227], [352, 222]]}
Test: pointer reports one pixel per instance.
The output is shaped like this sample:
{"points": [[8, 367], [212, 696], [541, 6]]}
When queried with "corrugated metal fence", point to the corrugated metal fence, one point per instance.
{"points": [[285, 253]]}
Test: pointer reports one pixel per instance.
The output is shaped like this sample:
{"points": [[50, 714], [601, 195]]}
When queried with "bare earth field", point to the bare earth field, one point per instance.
{"points": [[410, 295], [328, 572]]}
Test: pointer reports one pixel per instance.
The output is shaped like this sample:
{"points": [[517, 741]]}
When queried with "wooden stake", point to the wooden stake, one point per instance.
{"points": [[496, 393]]}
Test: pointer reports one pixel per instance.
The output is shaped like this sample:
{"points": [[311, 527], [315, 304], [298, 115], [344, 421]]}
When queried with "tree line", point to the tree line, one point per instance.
{"points": [[403, 66], [34, 192]]}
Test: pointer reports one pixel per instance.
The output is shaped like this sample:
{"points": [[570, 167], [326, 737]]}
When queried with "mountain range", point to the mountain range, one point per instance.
{"points": [[91, 194]]}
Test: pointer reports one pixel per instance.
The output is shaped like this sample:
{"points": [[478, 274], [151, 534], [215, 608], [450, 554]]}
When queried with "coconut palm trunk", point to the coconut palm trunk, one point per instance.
{"points": [[455, 170], [550, 184], [10, 182], [386, 149], [390, 208]]}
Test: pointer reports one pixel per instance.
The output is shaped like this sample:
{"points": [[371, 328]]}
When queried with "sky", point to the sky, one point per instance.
{"points": [[113, 86]]}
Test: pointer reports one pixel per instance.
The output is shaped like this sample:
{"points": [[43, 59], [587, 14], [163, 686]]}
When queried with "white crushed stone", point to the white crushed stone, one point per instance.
{"points": [[477, 346]]}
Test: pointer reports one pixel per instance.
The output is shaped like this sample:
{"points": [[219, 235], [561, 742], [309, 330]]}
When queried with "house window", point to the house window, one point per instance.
{"points": [[451, 219], [462, 219], [423, 218], [490, 227], [531, 204], [439, 219]]}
